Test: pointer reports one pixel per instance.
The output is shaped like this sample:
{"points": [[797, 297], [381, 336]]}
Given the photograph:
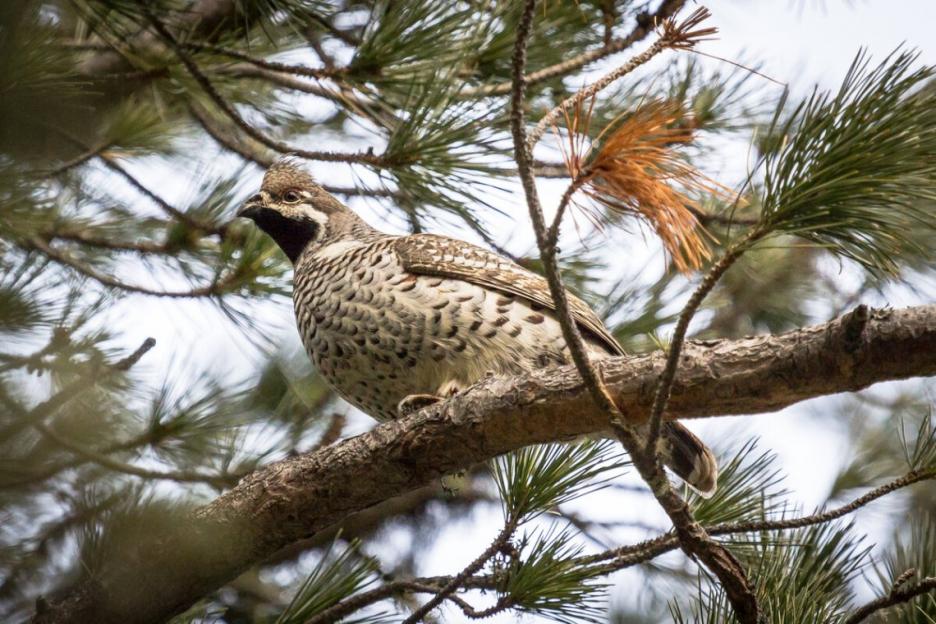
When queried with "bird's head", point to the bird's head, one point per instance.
{"points": [[295, 211]]}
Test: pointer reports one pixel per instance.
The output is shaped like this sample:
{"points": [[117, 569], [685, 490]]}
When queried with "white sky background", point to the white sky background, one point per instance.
{"points": [[800, 42]]}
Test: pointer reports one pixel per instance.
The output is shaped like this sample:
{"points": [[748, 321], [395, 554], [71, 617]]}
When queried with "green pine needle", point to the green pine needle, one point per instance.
{"points": [[334, 578], [855, 170], [547, 581], [405, 43], [801, 576], [912, 551], [920, 451], [537, 478], [747, 489]]}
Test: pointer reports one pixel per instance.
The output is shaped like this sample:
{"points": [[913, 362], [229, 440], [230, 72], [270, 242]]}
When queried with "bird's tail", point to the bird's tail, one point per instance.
{"points": [[688, 457]]}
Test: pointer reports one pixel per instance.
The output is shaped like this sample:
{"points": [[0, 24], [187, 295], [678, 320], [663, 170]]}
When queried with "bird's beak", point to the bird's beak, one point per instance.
{"points": [[251, 208]]}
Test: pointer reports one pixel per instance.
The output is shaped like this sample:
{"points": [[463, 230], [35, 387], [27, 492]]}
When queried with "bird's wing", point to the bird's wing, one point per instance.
{"points": [[428, 254]]}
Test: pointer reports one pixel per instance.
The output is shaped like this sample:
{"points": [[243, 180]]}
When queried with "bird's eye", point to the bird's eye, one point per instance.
{"points": [[291, 197]]}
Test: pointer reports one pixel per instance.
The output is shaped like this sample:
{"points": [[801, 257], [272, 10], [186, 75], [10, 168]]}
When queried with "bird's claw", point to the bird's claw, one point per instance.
{"points": [[412, 403]]}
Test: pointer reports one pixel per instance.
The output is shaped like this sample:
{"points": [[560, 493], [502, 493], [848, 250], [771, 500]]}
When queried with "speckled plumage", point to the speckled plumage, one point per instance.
{"points": [[387, 317], [380, 327]]}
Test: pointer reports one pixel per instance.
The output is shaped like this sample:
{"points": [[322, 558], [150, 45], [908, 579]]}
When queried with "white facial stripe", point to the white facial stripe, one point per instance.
{"points": [[319, 217]]}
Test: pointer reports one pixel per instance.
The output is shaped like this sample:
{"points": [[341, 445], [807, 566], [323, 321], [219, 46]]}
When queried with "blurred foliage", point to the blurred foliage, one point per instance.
{"points": [[119, 178]]}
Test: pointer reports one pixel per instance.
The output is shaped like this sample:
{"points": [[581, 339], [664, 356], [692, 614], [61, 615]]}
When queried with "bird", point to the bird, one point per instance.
{"points": [[395, 322]]}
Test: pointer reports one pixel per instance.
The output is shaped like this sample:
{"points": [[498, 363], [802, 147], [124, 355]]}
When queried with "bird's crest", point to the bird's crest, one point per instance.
{"points": [[286, 173]]}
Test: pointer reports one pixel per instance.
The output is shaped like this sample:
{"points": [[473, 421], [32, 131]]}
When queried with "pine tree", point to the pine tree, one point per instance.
{"points": [[143, 481]]}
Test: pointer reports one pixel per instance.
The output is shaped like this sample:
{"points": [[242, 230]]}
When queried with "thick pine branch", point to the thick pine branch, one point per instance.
{"points": [[300, 496]]}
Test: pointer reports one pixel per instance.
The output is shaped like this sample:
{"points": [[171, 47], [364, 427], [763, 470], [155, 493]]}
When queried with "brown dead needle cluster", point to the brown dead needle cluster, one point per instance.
{"points": [[634, 167]]}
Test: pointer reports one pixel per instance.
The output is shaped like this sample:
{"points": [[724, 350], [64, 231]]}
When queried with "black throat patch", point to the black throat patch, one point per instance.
{"points": [[291, 235]]}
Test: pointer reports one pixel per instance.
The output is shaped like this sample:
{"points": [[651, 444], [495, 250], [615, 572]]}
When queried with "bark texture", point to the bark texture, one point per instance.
{"points": [[170, 569]]}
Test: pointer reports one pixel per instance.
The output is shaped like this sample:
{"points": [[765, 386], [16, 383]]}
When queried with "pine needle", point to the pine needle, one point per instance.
{"points": [[685, 35], [636, 170]]}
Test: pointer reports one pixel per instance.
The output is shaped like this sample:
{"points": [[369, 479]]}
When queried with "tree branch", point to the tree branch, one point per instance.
{"points": [[298, 497], [453, 585], [233, 143]]}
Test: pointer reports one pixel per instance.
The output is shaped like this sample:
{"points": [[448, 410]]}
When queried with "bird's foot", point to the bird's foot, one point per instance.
{"points": [[412, 403]]}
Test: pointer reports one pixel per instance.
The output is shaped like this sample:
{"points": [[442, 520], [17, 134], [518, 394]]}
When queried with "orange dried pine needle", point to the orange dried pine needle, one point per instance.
{"points": [[636, 170]]}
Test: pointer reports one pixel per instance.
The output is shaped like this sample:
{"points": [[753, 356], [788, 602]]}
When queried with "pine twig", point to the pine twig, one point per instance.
{"points": [[219, 482], [673, 35], [78, 160], [286, 68], [665, 385], [366, 158], [50, 471], [66, 394], [524, 160], [113, 165], [899, 594], [627, 556], [232, 143], [100, 242], [215, 288], [452, 586], [645, 24]]}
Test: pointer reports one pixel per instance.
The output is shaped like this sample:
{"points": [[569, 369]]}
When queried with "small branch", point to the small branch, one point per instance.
{"points": [[341, 95], [899, 594], [649, 549], [48, 472], [219, 482], [286, 68], [366, 158], [709, 218], [691, 535], [665, 385], [215, 288], [672, 35], [83, 238], [592, 90], [452, 586], [645, 24], [284, 81], [428, 585], [232, 143], [113, 165], [228, 141], [524, 161], [78, 160], [166, 207]]}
